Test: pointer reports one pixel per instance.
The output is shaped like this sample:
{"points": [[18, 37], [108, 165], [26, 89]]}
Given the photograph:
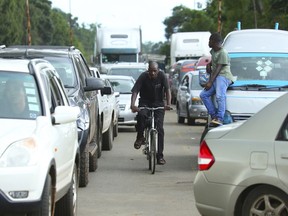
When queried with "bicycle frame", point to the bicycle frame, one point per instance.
{"points": [[151, 139]]}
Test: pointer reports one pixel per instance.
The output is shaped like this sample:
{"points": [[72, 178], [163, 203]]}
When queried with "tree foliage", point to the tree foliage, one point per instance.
{"points": [[50, 26]]}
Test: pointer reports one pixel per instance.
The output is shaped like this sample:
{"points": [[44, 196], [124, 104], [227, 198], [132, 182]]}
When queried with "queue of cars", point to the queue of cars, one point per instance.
{"points": [[60, 132], [39, 151]]}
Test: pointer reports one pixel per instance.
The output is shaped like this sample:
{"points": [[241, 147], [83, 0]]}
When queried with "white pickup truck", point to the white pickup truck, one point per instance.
{"points": [[108, 112]]}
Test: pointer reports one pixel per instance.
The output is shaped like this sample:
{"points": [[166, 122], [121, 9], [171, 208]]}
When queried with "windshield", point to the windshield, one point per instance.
{"points": [[65, 69], [19, 97], [134, 72], [259, 67], [121, 85]]}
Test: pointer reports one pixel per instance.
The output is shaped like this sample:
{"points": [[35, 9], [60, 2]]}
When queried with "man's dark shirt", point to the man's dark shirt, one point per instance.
{"points": [[151, 90]]}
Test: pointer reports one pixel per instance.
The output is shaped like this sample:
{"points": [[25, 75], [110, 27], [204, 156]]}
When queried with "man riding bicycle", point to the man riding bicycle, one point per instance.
{"points": [[153, 87]]}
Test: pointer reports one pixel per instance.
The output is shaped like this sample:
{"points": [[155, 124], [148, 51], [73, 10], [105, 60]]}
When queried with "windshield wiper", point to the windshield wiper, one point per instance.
{"points": [[248, 86]]}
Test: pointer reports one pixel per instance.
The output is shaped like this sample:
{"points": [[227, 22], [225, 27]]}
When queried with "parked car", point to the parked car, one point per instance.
{"points": [[189, 104], [123, 85], [39, 152], [179, 70], [81, 88], [243, 165], [110, 106], [128, 69], [108, 113]]}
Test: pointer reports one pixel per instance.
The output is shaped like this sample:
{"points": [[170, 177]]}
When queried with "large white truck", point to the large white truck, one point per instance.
{"points": [[189, 45], [115, 45]]}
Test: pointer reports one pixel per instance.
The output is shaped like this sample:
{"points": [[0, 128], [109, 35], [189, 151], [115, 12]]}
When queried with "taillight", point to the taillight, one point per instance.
{"points": [[205, 157]]}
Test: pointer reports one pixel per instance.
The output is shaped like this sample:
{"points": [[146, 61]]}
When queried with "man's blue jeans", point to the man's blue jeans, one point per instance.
{"points": [[218, 89]]}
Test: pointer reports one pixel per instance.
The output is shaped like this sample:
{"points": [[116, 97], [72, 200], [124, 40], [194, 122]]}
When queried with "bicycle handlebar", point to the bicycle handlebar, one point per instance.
{"points": [[155, 108]]}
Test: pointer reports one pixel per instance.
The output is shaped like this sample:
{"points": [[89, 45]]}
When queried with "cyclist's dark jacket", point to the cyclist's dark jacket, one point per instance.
{"points": [[151, 91]]}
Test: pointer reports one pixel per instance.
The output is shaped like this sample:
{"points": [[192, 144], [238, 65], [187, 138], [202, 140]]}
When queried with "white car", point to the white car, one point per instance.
{"points": [[128, 69], [123, 85], [243, 165], [39, 153]]}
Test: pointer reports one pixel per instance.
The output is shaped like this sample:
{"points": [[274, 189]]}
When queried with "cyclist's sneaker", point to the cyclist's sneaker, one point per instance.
{"points": [[216, 121], [161, 161], [139, 142]]}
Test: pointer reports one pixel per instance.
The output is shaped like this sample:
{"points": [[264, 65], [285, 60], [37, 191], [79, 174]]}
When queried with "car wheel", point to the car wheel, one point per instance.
{"points": [[115, 130], [99, 138], [67, 205], [180, 119], [108, 138], [93, 162], [84, 167], [46, 200], [266, 200]]}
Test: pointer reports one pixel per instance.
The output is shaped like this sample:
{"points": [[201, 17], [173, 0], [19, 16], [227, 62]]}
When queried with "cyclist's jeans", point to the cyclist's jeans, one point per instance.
{"points": [[219, 89], [159, 120]]}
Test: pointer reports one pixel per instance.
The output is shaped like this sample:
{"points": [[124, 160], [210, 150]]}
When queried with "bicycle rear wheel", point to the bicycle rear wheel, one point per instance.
{"points": [[152, 152]]}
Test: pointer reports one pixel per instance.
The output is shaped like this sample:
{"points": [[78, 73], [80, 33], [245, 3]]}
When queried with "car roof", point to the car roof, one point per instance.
{"points": [[19, 65], [257, 40], [18, 51]]}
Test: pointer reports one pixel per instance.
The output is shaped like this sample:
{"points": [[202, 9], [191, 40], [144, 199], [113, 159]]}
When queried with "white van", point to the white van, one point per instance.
{"points": [[259, 62]]}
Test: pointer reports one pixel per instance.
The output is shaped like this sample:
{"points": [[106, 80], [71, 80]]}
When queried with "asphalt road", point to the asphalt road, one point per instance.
{"points": [[123, 186]]}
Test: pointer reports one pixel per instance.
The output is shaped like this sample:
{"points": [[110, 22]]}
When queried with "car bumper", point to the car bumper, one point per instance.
{"points": [[127, 118], [20, 180], [199, 112], [215, 199]]}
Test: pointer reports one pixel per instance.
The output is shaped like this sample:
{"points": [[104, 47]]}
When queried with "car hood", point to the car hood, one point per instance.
{"points": [[12, 130], [126, 99], [220, 131]]}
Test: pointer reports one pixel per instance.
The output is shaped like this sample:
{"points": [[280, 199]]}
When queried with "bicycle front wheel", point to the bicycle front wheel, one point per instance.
{"points": [[152, 159]]}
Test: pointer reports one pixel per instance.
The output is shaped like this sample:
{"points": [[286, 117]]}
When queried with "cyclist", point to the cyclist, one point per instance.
{"points": [[153, 88]]}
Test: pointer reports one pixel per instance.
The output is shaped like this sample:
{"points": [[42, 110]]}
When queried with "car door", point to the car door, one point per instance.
{"points": [[63, 134], [281, 152], [183, 95]]}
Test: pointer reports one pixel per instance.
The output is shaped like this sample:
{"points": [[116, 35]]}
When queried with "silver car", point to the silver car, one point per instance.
{"points": [[189, 104], [243, 165], [123, 85]]}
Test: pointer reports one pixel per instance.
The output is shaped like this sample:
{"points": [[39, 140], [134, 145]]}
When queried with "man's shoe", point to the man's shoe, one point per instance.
{"points": [[216, 121], [161, 161], [139, 142]]}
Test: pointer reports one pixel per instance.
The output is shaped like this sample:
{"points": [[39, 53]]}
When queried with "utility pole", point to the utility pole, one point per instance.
{"points": [[219, 15], [70, 23], [28, 24]]}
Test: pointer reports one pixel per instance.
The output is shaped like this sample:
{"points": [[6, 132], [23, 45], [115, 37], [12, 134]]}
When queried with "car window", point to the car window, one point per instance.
{"points": [[19, 96], [64, 68], [260, 67], [122, 86], [134, 72], [195, 83], [283, 133]]}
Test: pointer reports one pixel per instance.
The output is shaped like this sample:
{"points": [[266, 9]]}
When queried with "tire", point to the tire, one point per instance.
{"points": [[67, 205], [84, 167], [99, 139], [180, 119], [108, 138], [152, 161], [190, 121], [46, 200], [115, 130], [93, 162], [266, 200]]}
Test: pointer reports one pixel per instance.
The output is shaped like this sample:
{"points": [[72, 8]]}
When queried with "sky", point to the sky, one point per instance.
{"points": [[147, 14]]}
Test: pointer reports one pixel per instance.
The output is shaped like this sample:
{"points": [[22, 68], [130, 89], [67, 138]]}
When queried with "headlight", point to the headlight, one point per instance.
{"points": [[20, 153]]}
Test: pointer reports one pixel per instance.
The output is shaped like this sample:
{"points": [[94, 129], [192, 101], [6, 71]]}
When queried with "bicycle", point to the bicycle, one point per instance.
{"points": [[151, 137]]}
